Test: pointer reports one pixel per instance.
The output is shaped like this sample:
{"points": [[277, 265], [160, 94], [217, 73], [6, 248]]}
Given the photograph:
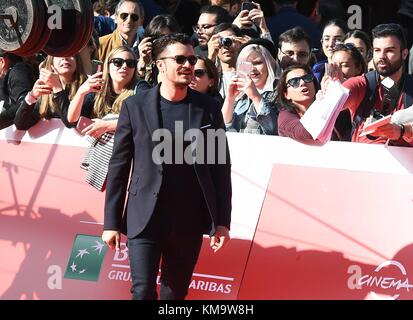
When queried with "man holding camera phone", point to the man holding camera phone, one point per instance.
{"points": [[224, 46], [210, 17]]}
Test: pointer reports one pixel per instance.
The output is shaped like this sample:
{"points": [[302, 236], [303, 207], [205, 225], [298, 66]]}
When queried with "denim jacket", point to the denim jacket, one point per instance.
{"points": [[246, 119]]}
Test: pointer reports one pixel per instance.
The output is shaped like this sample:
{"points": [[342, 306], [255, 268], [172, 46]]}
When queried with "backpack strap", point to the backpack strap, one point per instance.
{"points": [[408, 90], [363, 111]]}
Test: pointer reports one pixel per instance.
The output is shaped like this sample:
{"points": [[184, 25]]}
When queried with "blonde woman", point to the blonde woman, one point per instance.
{"points": [[250, 99], [103, 92], [58, 83], [100, 99]]}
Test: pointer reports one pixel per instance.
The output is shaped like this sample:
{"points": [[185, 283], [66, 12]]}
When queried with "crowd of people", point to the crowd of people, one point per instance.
{"points": [[261, 71]]}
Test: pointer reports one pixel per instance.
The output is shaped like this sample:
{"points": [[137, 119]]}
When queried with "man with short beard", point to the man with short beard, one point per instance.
{"points": [[171, 203], [389, 54]]}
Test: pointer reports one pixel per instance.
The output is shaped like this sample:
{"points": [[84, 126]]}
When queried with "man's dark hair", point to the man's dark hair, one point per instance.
{"points": [[390, 29], [228, 26], [221, 15], [160, 44], [282, 86], [294, 35]]}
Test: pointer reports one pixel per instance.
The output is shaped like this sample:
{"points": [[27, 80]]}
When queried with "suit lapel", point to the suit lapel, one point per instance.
{"points": [[196, 112], [151, 109]]}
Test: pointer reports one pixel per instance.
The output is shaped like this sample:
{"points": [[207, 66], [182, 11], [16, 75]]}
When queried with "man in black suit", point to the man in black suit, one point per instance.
{"points": [[171, 202]]}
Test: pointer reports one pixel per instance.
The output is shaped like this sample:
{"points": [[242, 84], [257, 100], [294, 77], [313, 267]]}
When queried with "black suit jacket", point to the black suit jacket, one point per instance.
{"points": [[138, 119]]}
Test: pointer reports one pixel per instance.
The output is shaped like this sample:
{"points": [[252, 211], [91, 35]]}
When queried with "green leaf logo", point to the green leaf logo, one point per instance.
{"points": [[86, 258]]}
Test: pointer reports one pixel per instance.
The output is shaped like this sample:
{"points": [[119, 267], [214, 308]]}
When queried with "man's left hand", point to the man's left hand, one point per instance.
{"points": [[220, 238]]}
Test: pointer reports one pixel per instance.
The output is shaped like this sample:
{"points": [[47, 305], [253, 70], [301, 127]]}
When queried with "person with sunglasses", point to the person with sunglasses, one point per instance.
{"points": [[297, 90], [103, 92], [100, 99], [206, 79], [129, 18], [250, 99], [171, 202]]}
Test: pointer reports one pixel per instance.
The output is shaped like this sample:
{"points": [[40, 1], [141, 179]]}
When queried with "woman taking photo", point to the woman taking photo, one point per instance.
{"points": [[249, 103], [100, 99], [103, 93], [58, 82]]}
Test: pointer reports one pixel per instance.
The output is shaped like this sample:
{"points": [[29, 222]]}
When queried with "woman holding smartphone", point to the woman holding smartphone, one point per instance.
{"points": [[102, 93], [100, 99], [250, 99], [58, 82]]}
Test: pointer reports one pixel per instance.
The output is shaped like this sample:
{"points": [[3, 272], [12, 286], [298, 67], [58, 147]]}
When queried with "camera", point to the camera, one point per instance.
{"points": [[225, 42]]}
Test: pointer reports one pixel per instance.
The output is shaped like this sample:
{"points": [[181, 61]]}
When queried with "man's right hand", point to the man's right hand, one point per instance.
{"points": [[111, 238]]}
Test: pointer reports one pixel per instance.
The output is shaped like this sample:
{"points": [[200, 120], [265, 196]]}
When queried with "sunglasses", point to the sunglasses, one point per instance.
{"points": [[343, 46], [134, 17], [199, 73], [118, 62], [295, 82], [181, 59]]}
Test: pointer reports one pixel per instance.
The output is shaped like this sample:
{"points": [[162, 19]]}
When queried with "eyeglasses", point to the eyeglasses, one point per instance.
{"points": [[300, 54], [118, 62], [295, 82], [181, 59], [133, 16], [204, 27], [334, 40], [199, 73]]}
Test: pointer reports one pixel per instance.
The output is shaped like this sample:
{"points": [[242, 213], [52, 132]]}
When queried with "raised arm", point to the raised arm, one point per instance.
{"points": [[92, 84]]}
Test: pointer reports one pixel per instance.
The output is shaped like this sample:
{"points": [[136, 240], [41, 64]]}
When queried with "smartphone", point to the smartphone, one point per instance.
{"points": [[83, 123], [244, 69], [97, 65], [248, 6]]}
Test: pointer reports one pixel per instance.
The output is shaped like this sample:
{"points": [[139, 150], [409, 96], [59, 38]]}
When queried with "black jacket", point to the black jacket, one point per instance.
{"points": [[138, 119], [17, 83]]}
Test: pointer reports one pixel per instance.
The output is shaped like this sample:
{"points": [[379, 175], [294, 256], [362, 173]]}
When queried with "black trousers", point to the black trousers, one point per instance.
{"points": [[179, 251]]}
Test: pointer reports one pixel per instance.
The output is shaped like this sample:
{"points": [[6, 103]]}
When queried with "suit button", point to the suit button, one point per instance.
{"points": [[155, 194]]}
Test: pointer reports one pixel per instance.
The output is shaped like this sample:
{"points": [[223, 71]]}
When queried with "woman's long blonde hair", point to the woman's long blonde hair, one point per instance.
{"points": [[47, 102], [106, 101]]}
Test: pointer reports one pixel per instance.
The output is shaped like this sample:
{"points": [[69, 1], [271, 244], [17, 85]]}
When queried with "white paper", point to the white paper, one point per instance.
{"points": [[320, 117], [403, 116], [1, 106]]}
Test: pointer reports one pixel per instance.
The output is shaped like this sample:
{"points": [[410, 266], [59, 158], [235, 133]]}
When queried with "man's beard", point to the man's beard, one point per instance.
{"points": [[390, 68]]}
